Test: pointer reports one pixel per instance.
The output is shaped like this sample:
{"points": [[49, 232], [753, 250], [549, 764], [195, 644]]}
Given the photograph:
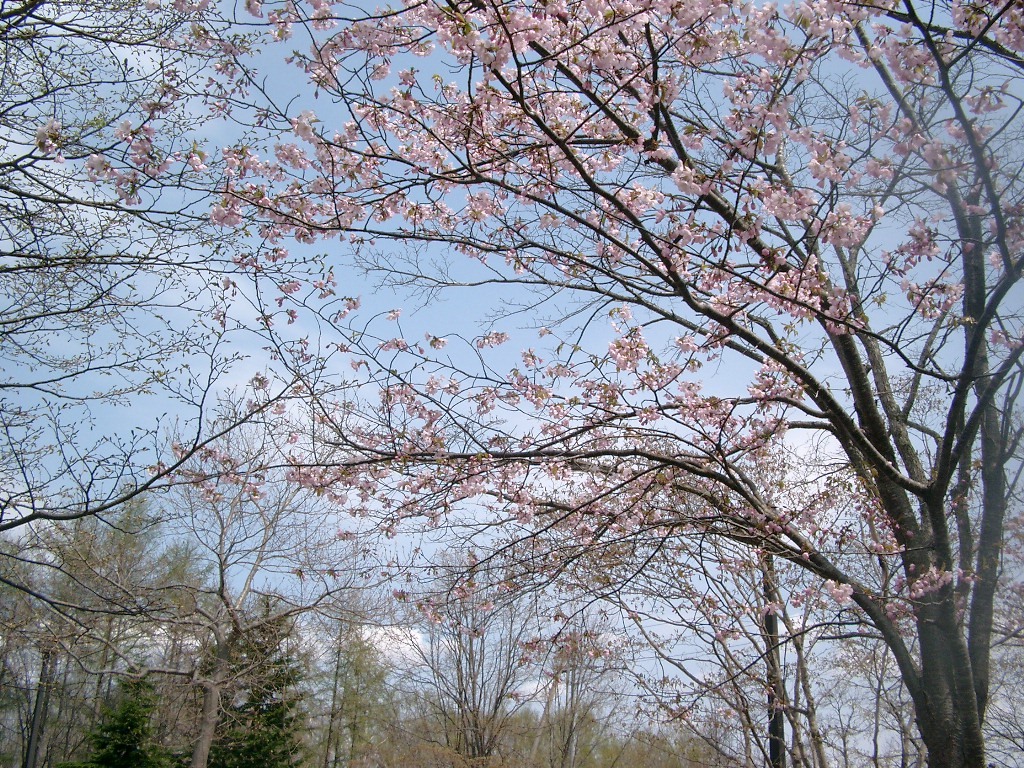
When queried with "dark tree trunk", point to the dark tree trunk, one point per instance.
{"points": [[37, 728], [776, 691]]}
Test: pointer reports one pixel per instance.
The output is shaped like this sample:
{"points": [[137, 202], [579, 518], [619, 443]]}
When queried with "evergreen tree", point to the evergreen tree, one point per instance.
{"points": [[262, 728], [124, 737]]}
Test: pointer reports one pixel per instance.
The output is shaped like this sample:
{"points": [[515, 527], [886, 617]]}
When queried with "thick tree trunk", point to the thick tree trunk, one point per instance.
{"points": [[946, 707], [989, 548]]}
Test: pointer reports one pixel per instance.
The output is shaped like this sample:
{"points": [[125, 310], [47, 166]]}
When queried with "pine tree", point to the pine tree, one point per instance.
{"points": [[263, 727], [124, 737]]}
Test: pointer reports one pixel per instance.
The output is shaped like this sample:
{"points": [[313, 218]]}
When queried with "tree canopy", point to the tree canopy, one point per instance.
{"points": [[720, 317]]}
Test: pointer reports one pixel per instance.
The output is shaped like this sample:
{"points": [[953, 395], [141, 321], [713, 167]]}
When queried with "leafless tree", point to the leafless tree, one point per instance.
{"points": [[270, 554], [116, 291]]}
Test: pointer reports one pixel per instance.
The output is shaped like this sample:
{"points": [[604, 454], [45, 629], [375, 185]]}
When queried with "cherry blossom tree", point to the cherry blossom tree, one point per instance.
{"points": [[772, 255]]}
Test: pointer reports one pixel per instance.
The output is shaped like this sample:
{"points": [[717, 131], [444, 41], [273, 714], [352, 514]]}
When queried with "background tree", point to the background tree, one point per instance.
{"points": [[269, 554], [580, 696], [473, 669], [356, 685], [263, 727], [109, 586], [124, 738]]}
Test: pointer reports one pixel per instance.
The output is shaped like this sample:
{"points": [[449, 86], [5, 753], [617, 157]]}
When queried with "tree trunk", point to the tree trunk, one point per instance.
{"points": [[945, 704], [37, 728], [331, 753], [209, 719], [103, 679], [776, 691]]}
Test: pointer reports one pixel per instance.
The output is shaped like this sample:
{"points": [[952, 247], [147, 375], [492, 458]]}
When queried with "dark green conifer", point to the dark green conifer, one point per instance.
{"points": [[124, 737], [262, 728]]}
